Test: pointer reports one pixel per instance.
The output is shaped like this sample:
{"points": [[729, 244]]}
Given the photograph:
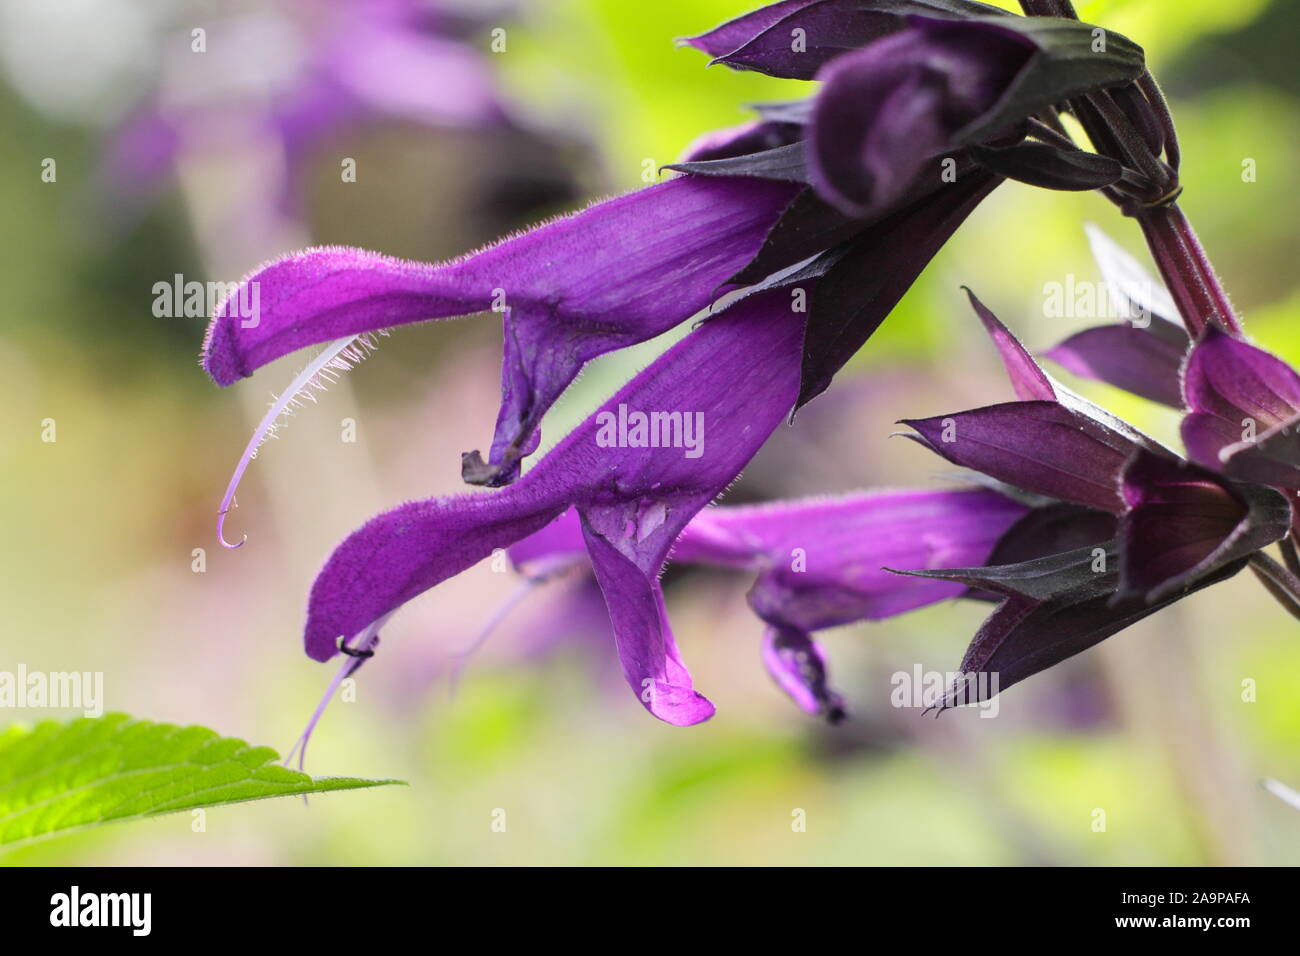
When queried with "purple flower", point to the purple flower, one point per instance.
{"points": [[737, 372], [823, 212], [887, 111], [1182, 523], [1051, 442], [821, 563], [908, 83], [924, 109], [299, 74], [1181, 527], [1243, 411], [631, 268], [796, 38], [618, 273], [615, 274], [1242, 404], [1142, 354]]}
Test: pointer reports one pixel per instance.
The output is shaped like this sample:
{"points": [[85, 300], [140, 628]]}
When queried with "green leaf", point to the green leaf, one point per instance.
{"points": [[57, 777]]}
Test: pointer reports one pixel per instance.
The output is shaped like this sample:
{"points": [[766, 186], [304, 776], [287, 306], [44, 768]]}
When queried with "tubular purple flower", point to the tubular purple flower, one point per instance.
{"points": [[738, 374], [826, 563], [1182, 523], [821, 563], [615, 274], [887, 111], [1244, 411], [1051, 442], [1070, 576]]}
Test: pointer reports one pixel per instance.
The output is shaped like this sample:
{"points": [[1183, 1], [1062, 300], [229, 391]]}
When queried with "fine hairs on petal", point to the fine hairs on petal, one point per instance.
{"points": [[366, 641], [320, 373]]}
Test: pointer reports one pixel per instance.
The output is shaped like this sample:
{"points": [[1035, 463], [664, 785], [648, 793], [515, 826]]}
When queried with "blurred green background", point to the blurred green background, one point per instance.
{"points": [[99, 528]]}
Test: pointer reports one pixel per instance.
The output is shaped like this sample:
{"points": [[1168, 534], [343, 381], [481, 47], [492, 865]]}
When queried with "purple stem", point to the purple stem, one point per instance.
{"points": [[1287, 545], [1186, 270], [1151, 89], [1278, 581]]}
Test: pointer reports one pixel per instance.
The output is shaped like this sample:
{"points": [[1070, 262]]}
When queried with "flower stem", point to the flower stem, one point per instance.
{"points": [[1287, 547], [1151, 90], [1278, 581], [1186, 269]]}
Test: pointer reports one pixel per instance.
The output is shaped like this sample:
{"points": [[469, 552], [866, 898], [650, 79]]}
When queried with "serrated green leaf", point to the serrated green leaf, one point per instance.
{"points": [[56, 777]]}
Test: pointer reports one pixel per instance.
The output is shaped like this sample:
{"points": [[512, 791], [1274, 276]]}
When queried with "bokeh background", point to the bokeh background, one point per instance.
{"points": [[98, 529]]}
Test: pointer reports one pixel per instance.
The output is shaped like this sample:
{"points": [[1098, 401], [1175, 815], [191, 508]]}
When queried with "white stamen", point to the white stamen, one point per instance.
{"points": [[342, 355]]}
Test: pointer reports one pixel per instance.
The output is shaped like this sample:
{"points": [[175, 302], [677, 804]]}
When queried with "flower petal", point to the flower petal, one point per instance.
{"points": [[402, 553], [1039, 446], [1137, 360], [646, 647], [826, 560], [1023, 637], [618, 273], [1183, 522], [830, 28], [888, 111], [1239, 383], [736, 376], [798, 665], [824, 563], [1028, 381], [874, 271], [557, 545], [740, 30]]}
